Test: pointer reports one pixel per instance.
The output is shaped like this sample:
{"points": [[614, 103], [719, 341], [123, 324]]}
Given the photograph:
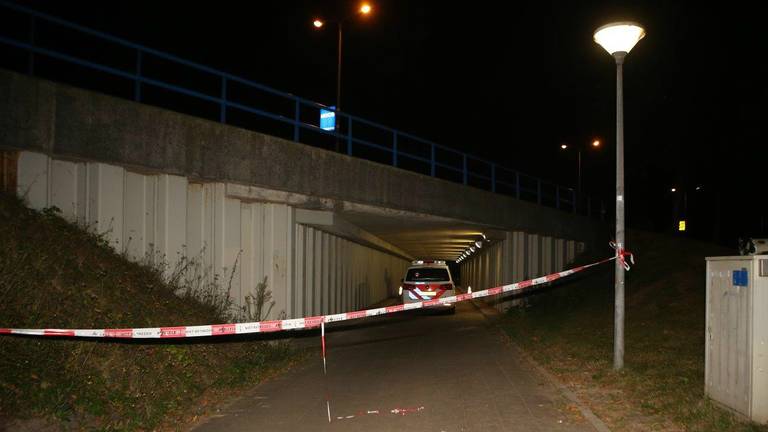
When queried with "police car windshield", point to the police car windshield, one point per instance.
{"points": [[427, 275]]}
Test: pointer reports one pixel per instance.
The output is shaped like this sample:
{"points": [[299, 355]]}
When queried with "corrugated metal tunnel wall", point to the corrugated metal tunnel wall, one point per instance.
{"points": [[180, 224], [517, 257]]}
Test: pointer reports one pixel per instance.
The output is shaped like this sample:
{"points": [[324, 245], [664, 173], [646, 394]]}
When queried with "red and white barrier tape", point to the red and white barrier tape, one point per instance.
{"points": [[622, 254], [301, 323]]}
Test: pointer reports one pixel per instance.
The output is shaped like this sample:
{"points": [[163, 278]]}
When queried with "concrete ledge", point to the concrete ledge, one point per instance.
{"points": [[64, 121]]}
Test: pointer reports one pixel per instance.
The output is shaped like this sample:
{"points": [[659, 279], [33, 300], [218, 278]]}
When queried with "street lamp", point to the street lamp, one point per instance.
{"points": [[364, 9], [594, 144], [618, 39]]}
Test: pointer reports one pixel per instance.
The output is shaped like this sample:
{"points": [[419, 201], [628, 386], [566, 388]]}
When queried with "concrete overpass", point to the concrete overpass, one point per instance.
{"points": [[329, 232]]}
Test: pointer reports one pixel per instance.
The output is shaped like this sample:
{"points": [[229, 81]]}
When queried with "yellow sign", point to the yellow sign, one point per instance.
{"points": [[681, 226]]}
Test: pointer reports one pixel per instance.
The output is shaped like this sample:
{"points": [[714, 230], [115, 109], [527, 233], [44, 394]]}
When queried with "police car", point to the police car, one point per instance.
{"points": [[427, 280]]}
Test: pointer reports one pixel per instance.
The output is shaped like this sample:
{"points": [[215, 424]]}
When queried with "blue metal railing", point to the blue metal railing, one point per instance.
{"points": [[495, 177]]}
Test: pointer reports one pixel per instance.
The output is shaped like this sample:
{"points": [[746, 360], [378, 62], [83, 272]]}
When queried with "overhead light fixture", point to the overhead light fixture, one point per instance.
{"points": [[479, 244]]}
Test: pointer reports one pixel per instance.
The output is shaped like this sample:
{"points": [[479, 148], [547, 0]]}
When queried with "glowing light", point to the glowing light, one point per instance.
{"points": [[673, 189], [318, 23], [365, 9], [596, 143], [681, 225], [619, 36], [563, 146]]}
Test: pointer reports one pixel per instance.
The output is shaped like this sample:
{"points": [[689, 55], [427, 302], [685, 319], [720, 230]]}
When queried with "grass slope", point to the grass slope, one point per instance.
{"points": [[54, 274], [569, 330]]}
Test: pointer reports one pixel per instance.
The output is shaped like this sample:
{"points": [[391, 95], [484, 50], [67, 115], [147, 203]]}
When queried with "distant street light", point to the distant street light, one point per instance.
{"points": [[364, 9], [618, 39], [565, 146]]}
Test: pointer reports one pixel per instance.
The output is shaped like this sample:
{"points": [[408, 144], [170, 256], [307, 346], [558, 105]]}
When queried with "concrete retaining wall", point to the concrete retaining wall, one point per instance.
{"points": [[162, 218], [519, 256]]}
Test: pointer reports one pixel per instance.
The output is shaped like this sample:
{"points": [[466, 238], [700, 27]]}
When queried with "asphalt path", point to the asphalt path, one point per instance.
{"points": [[413, 371]]}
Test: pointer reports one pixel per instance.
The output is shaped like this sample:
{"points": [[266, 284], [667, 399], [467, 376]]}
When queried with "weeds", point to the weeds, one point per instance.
{"points": [[255, 304], [569, 329], [55, 274]]}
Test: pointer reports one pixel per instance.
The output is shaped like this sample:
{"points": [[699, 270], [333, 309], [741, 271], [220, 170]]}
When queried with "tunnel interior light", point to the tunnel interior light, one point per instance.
{"points": [[365, 8], [479, 244], [318, 23], [471, 248], [563, 146], [673, 190]]}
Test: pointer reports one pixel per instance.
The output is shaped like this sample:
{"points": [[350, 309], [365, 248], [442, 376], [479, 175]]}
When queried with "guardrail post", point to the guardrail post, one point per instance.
{"points": [[493, 177], [538, 191], [296, 120], [394, 148], [137, 83], [223, 113], [31, 60], [432, 159], [557, 197], [464, 172], [349, 136], [517, 184]]}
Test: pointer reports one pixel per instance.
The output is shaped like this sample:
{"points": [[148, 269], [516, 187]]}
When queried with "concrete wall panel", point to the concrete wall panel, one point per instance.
{"points": [[68, 188], [225, 240], [106, 202], [570, 251], [136, 207], [32, 180], [560, 254], [533, 242], [547, 253]]}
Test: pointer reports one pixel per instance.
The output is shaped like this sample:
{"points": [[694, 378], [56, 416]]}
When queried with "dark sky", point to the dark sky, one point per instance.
{"points": [[510, 82]]}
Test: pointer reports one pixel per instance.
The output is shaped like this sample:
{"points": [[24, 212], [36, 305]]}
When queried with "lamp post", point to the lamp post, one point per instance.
{"points": [[618, 39], [595, 143], [364, 9]]}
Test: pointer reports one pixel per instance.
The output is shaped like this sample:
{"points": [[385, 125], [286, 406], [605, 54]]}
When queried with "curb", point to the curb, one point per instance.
{"points": [[493, 316]]}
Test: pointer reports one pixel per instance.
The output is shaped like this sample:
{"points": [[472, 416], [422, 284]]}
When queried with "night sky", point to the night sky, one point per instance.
{"points": [[510, 83]]}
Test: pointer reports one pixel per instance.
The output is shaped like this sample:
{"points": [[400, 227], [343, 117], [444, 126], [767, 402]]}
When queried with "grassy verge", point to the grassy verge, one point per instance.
{"points": [[54, 274], [569, 330]]}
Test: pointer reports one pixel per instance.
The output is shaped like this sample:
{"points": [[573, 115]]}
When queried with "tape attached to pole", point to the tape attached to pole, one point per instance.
{"points": [[306, 322]]}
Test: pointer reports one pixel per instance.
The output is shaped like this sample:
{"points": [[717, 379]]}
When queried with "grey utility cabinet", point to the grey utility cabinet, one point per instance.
{"points": [[736, 365]]}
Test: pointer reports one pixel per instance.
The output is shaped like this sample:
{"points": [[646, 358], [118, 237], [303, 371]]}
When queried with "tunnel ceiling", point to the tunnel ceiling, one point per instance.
{"points": [[423, 236]]}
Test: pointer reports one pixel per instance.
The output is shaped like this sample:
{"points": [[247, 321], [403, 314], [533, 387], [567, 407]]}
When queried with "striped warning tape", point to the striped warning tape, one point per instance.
{"points": [[290, 324]]}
